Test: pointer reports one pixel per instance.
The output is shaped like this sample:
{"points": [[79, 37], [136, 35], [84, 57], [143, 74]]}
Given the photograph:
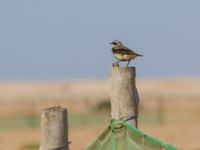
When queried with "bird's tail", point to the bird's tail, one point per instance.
{"points": [[139, 55]]}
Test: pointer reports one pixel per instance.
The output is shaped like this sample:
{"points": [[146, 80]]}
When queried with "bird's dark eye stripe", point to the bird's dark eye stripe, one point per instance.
{"points": [[114, 43]]}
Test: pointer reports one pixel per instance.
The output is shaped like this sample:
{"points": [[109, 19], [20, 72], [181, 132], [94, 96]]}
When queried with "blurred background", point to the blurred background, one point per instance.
{"points": [[58, 53]]}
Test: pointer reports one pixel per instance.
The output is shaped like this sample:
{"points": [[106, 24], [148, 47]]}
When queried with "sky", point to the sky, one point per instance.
{"points": [[65, 39]]}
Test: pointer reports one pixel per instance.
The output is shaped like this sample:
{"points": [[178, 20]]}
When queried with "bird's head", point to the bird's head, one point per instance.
{"points": [[116, 44]]}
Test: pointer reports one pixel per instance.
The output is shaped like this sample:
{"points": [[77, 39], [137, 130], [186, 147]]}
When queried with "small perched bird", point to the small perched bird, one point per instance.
{"points": [[122, 53]]}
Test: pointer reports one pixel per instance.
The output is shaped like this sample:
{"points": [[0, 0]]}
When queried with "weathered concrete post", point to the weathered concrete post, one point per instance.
{"points": [[54, 129], [124, 96]]}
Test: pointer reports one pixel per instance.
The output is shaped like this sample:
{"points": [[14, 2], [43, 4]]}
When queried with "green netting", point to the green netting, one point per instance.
{"points": [[123, 136]]}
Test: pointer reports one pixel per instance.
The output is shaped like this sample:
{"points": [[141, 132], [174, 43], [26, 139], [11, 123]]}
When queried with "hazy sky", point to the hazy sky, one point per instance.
{"points": [[65, 39]]}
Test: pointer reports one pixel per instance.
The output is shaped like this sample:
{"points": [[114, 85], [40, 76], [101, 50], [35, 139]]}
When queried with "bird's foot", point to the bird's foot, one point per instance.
{"points": [[116, 63]]}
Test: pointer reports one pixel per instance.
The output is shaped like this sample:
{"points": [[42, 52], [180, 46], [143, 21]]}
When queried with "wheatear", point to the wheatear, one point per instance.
{"points": [[122, 53]]}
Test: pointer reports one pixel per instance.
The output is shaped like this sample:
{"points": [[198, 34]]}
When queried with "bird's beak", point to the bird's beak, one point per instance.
{"points": [[111, 42]]}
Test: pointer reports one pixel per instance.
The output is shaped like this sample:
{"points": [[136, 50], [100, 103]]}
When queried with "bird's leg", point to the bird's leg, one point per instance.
{"points": [[128, 63], [117, 62]]}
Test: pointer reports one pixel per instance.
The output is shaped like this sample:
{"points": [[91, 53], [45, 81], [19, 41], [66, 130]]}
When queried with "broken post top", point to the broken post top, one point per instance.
{"points": [[117, 65], [55, 108], [128, 71]]}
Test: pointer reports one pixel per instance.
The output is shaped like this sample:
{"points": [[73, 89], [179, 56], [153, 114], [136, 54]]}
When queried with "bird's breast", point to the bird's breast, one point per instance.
{"points": [[124, 57]]}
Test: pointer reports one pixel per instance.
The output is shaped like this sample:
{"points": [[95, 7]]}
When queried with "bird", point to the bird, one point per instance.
{"points": [[122, 53]]}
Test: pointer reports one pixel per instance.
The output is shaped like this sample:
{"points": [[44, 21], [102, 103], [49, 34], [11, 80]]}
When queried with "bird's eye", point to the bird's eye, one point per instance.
{"points": [[114, 43]]}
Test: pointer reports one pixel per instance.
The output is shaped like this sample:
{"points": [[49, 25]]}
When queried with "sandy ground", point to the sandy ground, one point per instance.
{"points": [[178, 99]]}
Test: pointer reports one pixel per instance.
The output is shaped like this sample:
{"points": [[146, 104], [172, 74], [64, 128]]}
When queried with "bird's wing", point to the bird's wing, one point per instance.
{"points": [[123, 50]]}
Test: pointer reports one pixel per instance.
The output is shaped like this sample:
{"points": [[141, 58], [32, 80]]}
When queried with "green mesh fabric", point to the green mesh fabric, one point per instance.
{"points": [[123, 136]]}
